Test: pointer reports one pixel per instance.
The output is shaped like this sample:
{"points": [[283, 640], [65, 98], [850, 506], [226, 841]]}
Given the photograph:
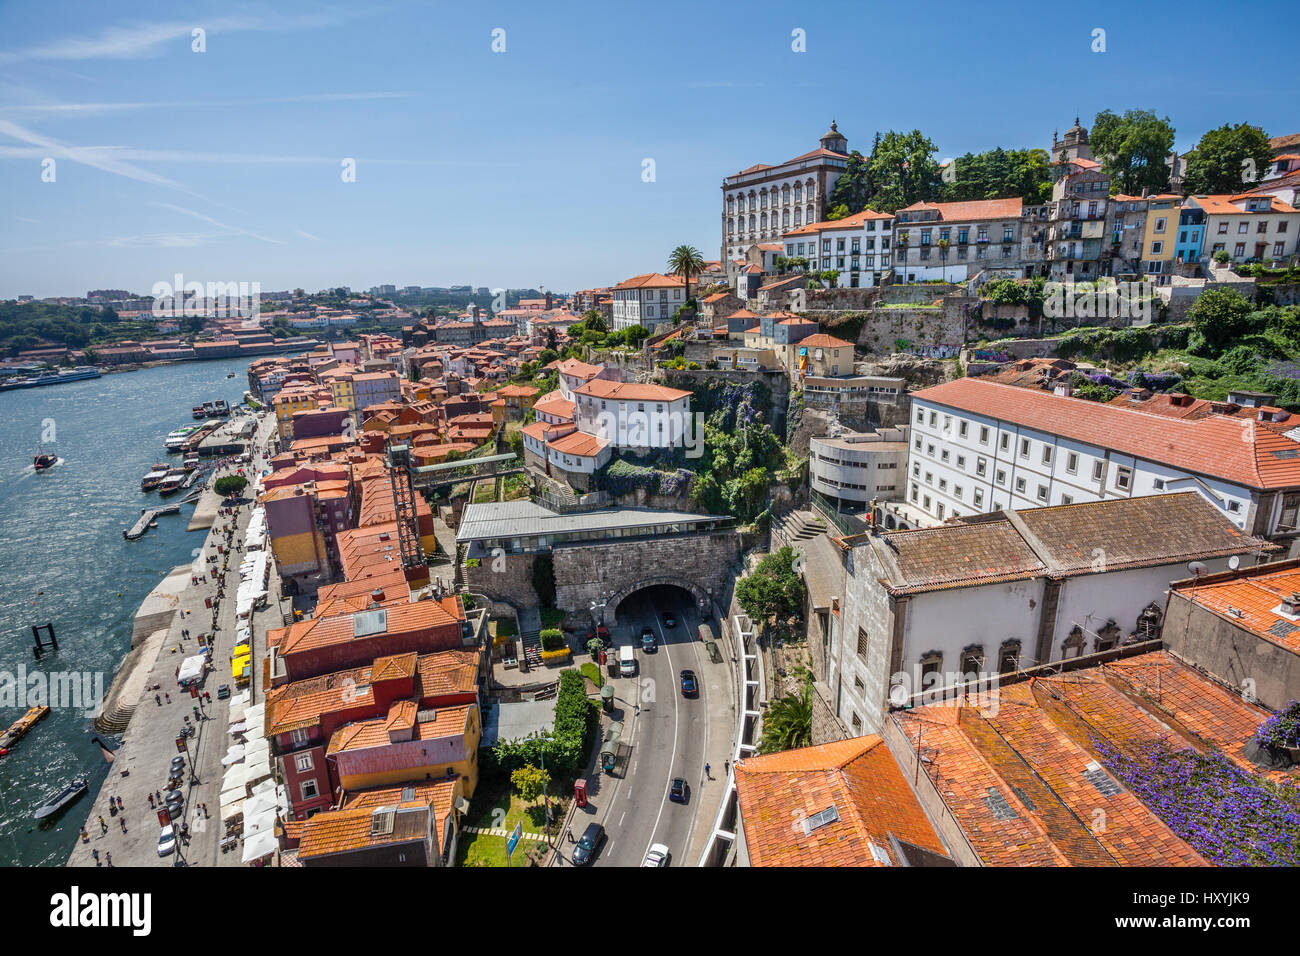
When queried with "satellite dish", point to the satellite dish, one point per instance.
{"points": [[1198, 568], [1234, 562]]}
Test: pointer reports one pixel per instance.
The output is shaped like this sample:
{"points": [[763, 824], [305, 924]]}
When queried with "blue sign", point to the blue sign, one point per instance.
{"points": [[513, 840]]}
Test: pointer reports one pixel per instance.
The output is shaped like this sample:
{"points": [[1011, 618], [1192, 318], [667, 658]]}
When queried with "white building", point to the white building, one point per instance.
{"points": [[1258, 227], [634, 415], [574, 373], [853, 468], [857, 246], [980, 446], [762, 203], [955, 240], [647, 300], [930, 606]]}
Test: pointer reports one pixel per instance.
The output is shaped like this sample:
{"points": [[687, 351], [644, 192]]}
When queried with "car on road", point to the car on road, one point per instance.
{"points": [[670, 620], [657, 855], [679, 791], [690, 687], [166, 840], [589, 844], [648, 643]]}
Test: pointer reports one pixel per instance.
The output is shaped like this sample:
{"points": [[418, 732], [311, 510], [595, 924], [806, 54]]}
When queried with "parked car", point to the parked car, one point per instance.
{"points": [[690, 688], [657, 855], [670, 619], [223, 691], [648, 642], [589, 845], [166, 840], [679, 791]]}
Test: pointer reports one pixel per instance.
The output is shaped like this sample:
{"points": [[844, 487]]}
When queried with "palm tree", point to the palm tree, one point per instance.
{"points": [[788, 722], [686, 261]]}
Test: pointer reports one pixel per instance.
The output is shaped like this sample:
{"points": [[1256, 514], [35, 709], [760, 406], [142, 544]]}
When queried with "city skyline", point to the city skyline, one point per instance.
{"points": [[232, 167]]}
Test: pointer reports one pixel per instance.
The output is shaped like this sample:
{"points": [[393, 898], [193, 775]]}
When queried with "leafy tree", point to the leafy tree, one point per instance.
{"points": [[1133, 148], [1001, 174], [904, 170], [838, 211], [530, 782], [552, 339], [634, 335], [855, 187], [1225, 157], [230, 485], [774, 591], [547, 356], [594, 321], [1219, 316], [788, 722], [686, 261], [544, 579]]}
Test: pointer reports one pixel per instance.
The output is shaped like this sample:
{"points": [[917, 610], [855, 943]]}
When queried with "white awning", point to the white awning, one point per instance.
{"points": [[259, 845], [233, 755]]}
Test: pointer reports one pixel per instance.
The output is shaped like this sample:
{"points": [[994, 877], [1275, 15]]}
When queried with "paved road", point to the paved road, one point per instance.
{"points": [[668, 737]]}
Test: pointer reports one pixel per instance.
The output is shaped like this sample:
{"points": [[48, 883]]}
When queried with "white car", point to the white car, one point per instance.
{"points": [[166, 840], [657, 855]]}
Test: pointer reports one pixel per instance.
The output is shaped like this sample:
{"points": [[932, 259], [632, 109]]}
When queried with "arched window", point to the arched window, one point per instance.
{"points": [[1073, 644], [798, 192], [1148, 623], [798, 215], [785, 195], [811, 217], [972, 662], [731, 205], [1108, 637], [763, 222], [731, 226]]}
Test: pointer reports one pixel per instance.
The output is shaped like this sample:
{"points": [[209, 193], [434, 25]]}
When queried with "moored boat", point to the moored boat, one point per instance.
{"points": [[152, 480], [23, 724], [61, 800], [172, 481]]}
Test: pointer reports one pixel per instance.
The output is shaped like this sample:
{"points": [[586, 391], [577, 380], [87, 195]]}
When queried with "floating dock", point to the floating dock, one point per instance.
{"points": [[147, 515]]}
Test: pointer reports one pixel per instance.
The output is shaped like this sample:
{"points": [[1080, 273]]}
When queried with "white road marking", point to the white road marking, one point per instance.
{"points": [[676, 725]]}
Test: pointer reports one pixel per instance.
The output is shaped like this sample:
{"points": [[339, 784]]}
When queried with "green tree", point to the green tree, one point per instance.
{"points": [[530, 782], [787, 724], [904, 171], [593, 321], [634, 335], [1219, 317], [856, 186], [774, 591], [1001, 174], [838, 211], [1133, 148], [686, 261], [230, 485], [1227, 159]]}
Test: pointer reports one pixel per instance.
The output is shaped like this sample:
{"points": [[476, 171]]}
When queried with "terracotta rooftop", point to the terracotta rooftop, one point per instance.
{"points": [[821, 340], [1023, 779], [838, 804], [1251, 599], [630, 391], [855, 221], [579, 444], [403, 716], [967, 211], [1237, 450]]}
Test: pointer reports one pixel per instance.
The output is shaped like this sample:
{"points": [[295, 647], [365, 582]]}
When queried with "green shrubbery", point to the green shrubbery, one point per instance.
{"points": [[565, 749]]}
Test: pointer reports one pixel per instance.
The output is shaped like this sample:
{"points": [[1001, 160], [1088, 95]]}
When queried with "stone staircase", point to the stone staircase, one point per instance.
{"points": [[530, 629], [795, 527]]}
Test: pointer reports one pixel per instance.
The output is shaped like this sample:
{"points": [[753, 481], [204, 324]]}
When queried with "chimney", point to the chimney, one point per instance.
{"points": [[548, 302], [1290, 606], [377, 596], [1063, 387]]}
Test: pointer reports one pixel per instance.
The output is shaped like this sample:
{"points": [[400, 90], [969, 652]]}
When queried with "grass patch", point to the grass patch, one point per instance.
{"points": [[505, 627], [496, 805]]}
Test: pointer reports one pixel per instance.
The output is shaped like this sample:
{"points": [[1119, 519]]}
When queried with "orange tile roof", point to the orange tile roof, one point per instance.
{"points": [[963, 211], [340, 831], [577, 369], [651, 280], [1237, 450], [557, 407], [545, 431], [579, 444], [1251, 599], [447, 672], [368, 734], [855, 221], [858, 778], [821, 340], [1224, 205], [335, 624], [630, 391]]}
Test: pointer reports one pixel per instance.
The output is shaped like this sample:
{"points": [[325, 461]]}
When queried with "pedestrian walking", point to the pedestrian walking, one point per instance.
{"points": [[108, 859], [726, 767], [151, 801], [168, 696], [707, 774], [85, 837], [95, 854], [158, 795], [157, 699], [123, 822], [103, 827], [119, 804]]}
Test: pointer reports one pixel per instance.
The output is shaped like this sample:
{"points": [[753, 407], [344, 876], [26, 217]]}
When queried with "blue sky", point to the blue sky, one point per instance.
{"points": [[523, 168]]}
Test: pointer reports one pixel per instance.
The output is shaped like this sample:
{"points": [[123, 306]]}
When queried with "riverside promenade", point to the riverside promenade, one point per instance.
{"points": [[149, 742]]}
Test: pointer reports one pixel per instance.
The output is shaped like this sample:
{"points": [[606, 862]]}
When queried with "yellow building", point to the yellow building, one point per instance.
{"points": [[286, 405], [342, 392], [1159, 240], [409, 745]]}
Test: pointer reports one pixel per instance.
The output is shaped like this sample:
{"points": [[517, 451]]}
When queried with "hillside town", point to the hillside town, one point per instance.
{"points": [[965, 534]]}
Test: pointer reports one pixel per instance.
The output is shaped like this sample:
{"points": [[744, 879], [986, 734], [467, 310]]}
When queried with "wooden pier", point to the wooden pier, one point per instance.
{"points": [[147, 515]]}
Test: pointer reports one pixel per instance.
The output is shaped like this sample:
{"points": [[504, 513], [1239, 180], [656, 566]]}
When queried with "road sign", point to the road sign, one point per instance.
{"points": [[513, 840]]}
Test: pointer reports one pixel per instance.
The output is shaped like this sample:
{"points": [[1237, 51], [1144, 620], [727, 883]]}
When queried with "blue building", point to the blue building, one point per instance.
{"points": [[1191, 235]]}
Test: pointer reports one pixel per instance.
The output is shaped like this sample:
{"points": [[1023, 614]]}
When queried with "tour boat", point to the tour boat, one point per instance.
{"points": [[172, 482], [20, 726], [197, 411], [152, 480], [43, 461], [178, 437]]}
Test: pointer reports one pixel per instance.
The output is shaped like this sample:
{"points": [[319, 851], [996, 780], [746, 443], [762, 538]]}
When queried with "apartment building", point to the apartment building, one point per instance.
{"points": [[980, 446], [856, 246], [852, 468], [954, 240], [1081, 224], [1249, 227], [1160, 238], [648, 300]]}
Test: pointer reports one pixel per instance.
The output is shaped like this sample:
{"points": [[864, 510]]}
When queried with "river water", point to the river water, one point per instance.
{"points": [[63, 560]]}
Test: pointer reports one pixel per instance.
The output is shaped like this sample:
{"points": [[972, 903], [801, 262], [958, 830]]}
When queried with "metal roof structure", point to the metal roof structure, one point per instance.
{"points": [[512, 519]]}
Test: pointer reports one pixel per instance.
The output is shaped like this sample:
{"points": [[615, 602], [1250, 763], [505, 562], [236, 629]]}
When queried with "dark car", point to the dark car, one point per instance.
{"points": [[589, 845], [679, 791], [670, 620], [648, 642], [689, 686]]}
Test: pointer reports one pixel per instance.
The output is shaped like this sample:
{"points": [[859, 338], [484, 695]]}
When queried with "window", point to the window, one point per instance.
{"points": [[1047, 454], [1067, 500], [1097, 468], [943, 455], [981, 465], [979, 498], [957, 492], [984, 435], [1020, 484], [1073, 644], [943, 484], [1009, 657], [1024, 448], [961, 429], [303, 762], [862, 644], [308, 789], [1001, 477], [1290, 510], [942, 508], [1234, 507], [972, 662], [1072, 463], [929, 477], [1159, 484], [916, 470], [933, 419], [299, 737], [961, 462], [1160, 225], [1042, 492], [1005, 442], [931, 663], [1124, 478]]}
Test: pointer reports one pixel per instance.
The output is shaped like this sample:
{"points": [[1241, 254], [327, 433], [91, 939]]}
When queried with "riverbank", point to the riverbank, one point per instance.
{"points": [[195, 605]]}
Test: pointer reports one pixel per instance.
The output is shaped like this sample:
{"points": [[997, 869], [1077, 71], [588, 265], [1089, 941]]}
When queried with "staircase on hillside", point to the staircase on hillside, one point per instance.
{"points": [[530, 628], [796, 526]]}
